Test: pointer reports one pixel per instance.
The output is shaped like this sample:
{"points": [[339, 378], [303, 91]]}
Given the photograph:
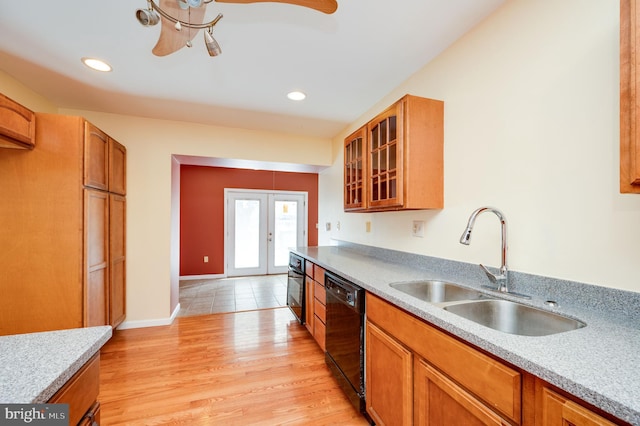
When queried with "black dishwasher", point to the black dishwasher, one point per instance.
{"points": [[345, 337]]}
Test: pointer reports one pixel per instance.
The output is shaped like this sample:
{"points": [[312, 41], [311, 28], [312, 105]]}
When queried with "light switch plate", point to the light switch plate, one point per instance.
{"points": [[418, 228]]}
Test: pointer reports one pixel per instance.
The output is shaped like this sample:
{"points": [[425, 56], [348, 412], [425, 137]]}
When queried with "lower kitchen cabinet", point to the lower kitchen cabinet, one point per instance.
{"points": [[556, 409], [419, 374], [415, 371], [389, 378], [441, 401], [315, 302], [81, 393]]}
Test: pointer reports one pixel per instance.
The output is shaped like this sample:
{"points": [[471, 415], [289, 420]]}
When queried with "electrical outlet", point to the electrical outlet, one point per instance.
{"points": [[418, 228], [338, 225], [206, 259], [327, 226], [367, 225]]}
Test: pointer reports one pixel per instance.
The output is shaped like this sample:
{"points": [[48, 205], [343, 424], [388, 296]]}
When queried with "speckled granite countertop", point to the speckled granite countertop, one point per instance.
{"points": [[599, 363], [34, 366]]}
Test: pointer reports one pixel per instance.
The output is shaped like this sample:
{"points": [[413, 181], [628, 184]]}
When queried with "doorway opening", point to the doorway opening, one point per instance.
{"points": [[260, 228]]}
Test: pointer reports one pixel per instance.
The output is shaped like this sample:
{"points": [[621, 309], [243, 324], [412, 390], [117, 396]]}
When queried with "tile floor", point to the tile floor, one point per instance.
{"points": [[199, 297]]}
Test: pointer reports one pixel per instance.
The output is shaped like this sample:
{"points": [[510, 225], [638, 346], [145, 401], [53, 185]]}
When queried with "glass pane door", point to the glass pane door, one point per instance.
{"points": [[261, 228]]}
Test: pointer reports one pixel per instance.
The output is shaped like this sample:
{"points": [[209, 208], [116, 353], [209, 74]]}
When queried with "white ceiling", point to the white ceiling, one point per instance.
{"points": [[345, 62]]}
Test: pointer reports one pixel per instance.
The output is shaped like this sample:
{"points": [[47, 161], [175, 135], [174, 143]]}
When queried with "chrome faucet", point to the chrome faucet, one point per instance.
{"points": [[502, 279]]}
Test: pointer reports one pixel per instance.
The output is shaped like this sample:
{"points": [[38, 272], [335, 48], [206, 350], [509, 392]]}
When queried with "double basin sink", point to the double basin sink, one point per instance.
{"points": [[499, 314]]}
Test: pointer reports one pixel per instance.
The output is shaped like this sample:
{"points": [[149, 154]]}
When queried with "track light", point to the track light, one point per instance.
{"points": [[149, 17], [212, 45]]}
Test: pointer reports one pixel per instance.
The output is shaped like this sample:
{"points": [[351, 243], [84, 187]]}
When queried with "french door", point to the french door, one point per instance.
{"points": [[261, 226]]}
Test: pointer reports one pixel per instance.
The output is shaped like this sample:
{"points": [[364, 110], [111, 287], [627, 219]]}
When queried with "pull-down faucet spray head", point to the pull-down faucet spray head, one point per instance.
{"points": [[502, 278], [466, 236]]}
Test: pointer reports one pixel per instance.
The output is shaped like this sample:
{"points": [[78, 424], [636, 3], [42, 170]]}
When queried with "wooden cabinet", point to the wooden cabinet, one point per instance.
{"points": [[117, 258], [17, 125], [81, 393], [558, 409], [629, 97], [441, 401], [403, 158], [419, 374], [452, 383], [355, 166], [315, 302], [389, 378], [63, 232]]}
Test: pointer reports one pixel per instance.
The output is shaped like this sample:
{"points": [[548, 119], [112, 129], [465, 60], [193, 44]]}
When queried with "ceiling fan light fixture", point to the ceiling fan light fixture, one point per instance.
{"points": [[194, 3], [212, 45], [183, 4], [147, 17]]}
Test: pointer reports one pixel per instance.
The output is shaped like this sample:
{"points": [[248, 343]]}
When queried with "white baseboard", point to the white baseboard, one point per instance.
{"points": [[150, 323], [202, 277]]}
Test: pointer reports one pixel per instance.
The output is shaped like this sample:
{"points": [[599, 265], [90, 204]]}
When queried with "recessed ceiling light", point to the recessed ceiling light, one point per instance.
{"points": [[96, 64], [296, 96]]}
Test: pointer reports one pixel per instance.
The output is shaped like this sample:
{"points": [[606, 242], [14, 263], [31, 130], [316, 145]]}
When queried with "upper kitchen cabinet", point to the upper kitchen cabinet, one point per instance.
{"points": [[629, 97], [17, 125], [63, 231], [355, 165], [117, 168], [403, 158], [96, 157]]}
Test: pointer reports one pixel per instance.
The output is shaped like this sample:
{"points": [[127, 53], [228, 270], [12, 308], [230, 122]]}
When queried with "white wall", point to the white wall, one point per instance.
{"points": [[152, 210], [531, 127], [151, 280]]}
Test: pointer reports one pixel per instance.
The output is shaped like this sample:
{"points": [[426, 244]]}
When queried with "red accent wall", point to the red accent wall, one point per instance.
{"points": [[202, 209]]}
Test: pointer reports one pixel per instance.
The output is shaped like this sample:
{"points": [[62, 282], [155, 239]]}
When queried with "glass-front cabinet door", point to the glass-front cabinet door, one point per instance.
{"points": [[355, 165], [385, 158]]}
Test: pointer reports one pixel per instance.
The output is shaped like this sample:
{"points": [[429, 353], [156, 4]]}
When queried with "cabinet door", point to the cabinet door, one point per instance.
{"points": [[96, 157], [441, 402], [81, 391], [96, 246], [17, 125], [629, 98], [117, 168], [560, 411], [389, 378], [308, 303], [355, 166], [385, 149], [117, 259]]}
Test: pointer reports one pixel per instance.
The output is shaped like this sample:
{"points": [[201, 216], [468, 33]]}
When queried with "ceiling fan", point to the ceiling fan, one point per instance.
{"points": [[182, 19]]}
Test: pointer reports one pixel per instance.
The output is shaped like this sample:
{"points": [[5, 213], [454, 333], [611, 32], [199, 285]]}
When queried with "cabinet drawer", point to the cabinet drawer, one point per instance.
{"points": [[318, 274], [495, 383], [81, 391], [320, 293], [320, 311], [319, 332], [308, 268]]}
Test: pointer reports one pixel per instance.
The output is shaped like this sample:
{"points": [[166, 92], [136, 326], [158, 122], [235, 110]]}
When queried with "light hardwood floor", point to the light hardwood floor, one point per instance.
{"points": [[246, 368]]}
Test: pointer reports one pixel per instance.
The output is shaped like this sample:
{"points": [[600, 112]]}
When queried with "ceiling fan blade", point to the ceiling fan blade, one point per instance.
{"points": [[325, 6], [170, 39]]}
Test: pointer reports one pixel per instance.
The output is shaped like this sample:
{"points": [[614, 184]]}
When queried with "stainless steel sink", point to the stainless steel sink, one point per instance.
{"points": [[434, 291], [514, 318]]}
